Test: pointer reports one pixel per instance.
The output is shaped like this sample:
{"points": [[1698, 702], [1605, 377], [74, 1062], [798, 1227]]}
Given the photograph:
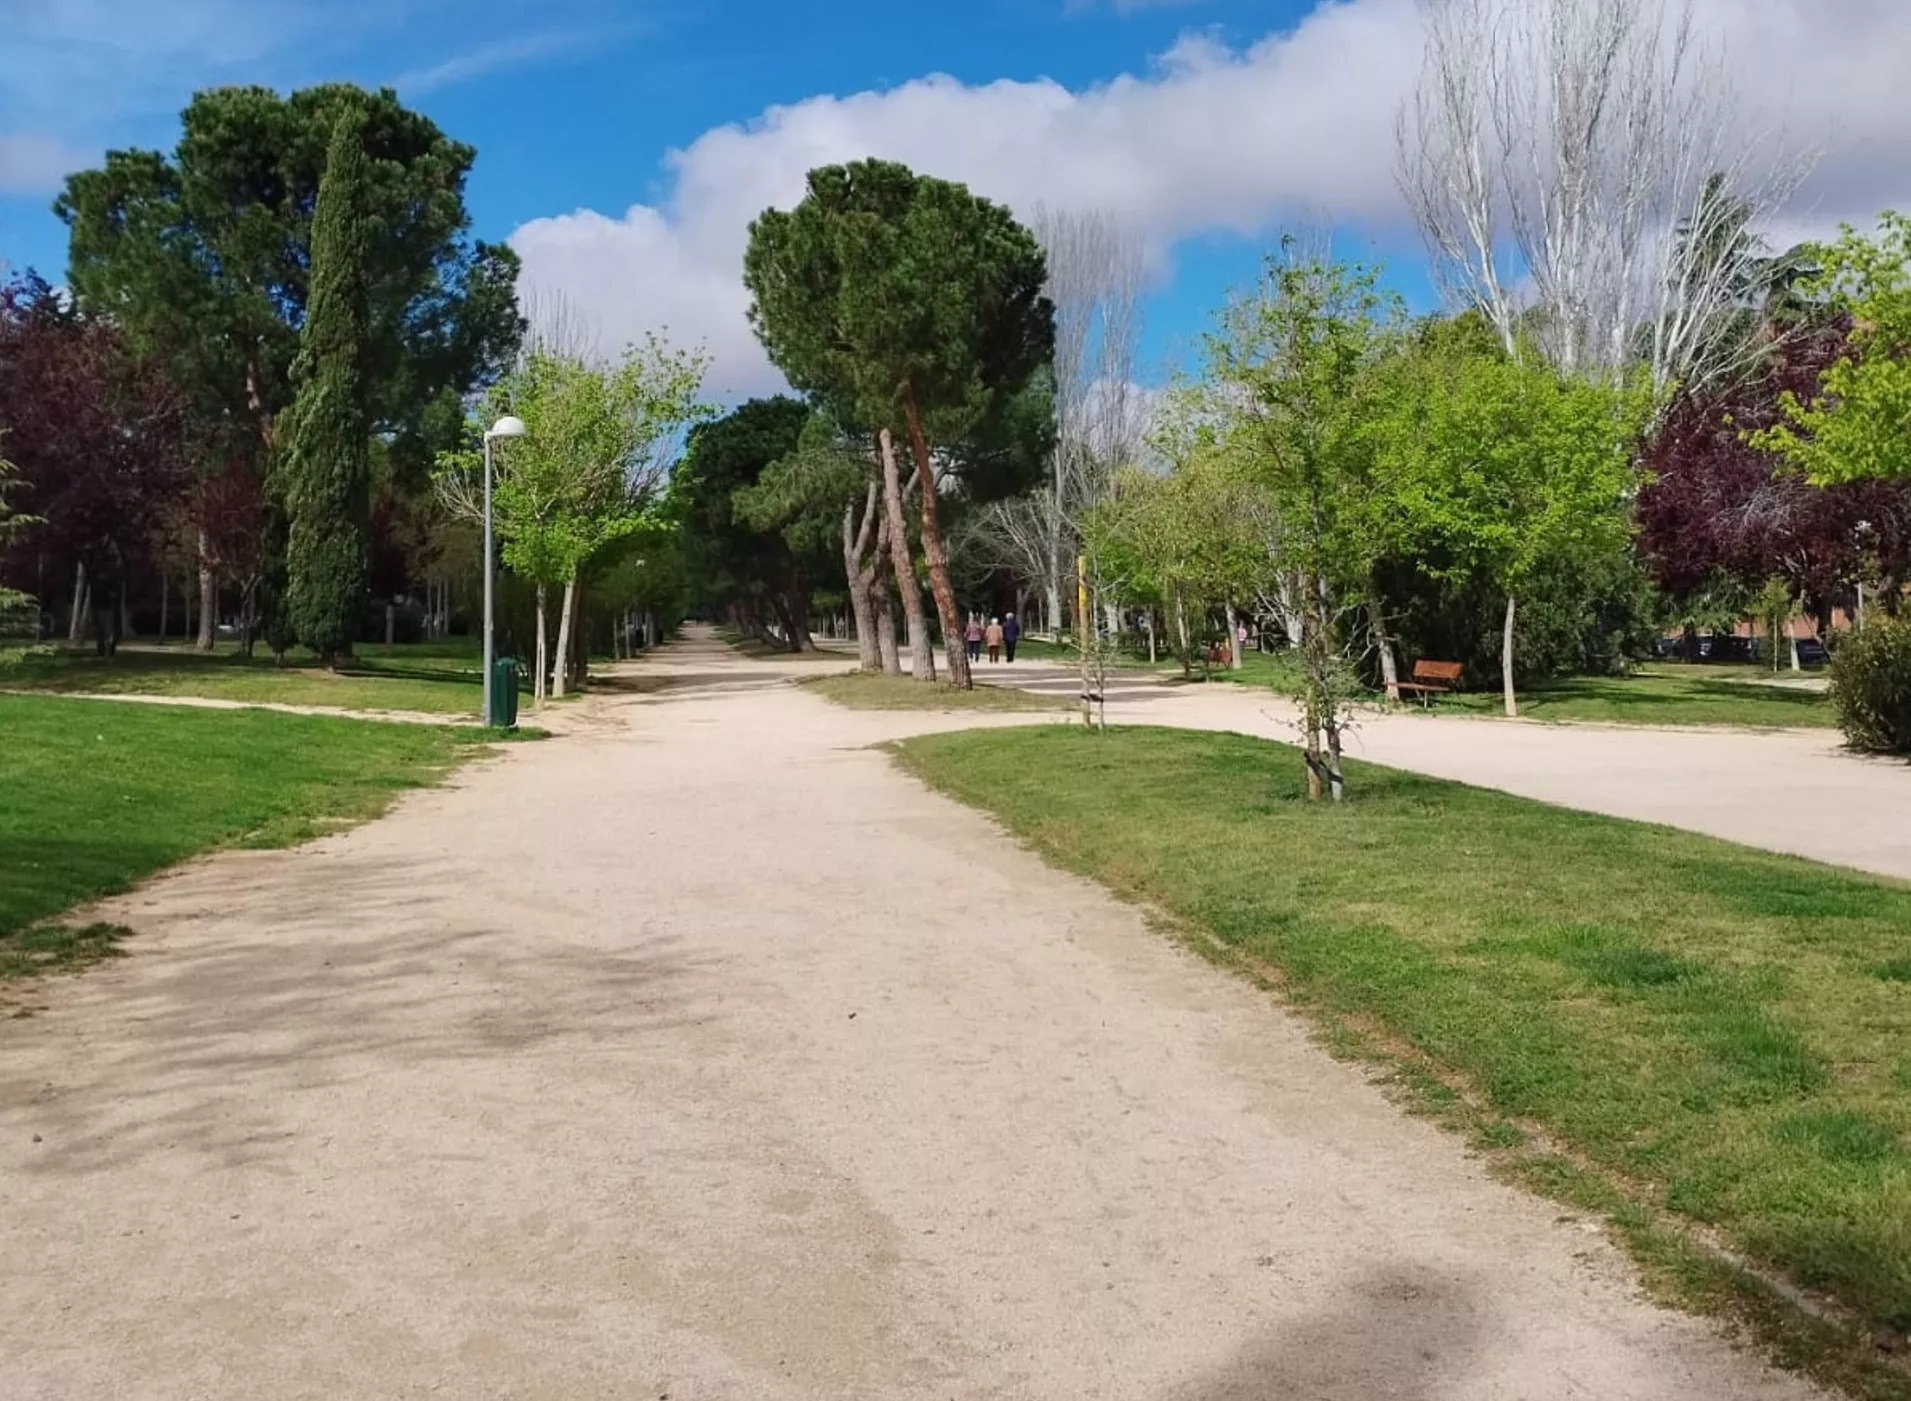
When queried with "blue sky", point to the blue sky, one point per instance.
{"points": [[624, 144]]}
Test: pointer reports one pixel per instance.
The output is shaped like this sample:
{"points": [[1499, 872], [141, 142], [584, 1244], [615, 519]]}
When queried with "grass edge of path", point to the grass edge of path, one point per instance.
{"points": [[1678, 1262], [64, 940], [863, 690]]}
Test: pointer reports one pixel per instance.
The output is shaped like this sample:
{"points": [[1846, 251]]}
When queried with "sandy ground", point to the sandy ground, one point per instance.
{"points": [[700, 1054], [1795, 791]]}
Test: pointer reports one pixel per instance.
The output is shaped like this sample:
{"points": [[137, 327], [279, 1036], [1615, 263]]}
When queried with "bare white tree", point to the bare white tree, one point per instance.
{"points": [[1571, 164], [1097, 268]]}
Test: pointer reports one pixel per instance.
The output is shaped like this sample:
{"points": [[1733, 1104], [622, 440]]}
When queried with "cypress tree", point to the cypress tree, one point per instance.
{"points": [[327, 467]]}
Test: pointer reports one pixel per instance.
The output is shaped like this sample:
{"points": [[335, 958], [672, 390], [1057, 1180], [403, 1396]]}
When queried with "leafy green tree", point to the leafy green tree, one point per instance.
{"points": [[826, 495], [1499, 467], [1289, 395], [1192, 541], [1858, 424], [748, 566], [203, 257], [585, 476], [327, 472], [908, 305]]}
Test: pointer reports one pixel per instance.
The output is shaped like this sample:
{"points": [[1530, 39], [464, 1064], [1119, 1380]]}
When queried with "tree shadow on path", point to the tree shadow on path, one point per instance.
{"points": [[1399, 1331]]}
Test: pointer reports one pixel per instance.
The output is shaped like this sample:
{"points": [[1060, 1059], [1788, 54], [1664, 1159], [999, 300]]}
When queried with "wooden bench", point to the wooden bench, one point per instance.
{"points": [[1433, 678]]}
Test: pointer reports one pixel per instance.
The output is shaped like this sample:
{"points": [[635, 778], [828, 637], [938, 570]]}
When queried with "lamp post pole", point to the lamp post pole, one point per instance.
{"points": [[489, 645], [506, 427]]}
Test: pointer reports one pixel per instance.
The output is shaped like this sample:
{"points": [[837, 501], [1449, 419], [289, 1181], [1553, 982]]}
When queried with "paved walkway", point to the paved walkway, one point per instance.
{"points": [[1796, 791], [702, 1055]]}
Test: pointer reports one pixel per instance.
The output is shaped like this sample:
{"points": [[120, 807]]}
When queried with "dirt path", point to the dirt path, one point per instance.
{"points": [[702, 1055], [1794, 791]]}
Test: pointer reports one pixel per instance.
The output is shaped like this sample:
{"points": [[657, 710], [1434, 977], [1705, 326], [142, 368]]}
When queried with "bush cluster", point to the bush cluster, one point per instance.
{"points": [[1871, 686]]}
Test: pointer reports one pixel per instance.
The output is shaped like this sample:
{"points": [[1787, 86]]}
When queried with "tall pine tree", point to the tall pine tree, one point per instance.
{"points": [[327, 468]]}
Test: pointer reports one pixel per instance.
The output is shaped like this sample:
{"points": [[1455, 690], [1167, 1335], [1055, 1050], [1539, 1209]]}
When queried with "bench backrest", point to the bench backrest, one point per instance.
{"points": [[1424, 670]]}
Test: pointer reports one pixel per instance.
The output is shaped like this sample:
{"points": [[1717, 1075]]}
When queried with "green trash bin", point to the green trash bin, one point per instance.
{"points": [[504, 693]]}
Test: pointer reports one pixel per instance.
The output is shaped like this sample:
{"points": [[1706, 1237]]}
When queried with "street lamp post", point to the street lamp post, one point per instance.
{"points": [[506, 427]]}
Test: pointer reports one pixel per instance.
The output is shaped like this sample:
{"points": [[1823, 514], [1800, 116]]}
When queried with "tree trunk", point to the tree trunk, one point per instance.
{"points": [[248, 615], [109, 607], [922, 661], [1235, 660], [855, 545], [1383, 642], [882, 607], [1184, 646], [1293, 620], [1151, 637], [793, 605], [165, 602], [185, 606], [1053, 583], [575, 658], [208, 595], [1793, 638], [537, 682], [1506, 658], [936, 555], [391, 623], [76, 624]]}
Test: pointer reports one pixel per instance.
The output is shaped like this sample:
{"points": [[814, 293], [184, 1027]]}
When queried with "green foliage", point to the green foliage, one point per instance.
{"points": [[885, 291], [204, 257], [802, 494], [327, 472], [1871, 686], [1288, 396], [1584, 613], [586, 473], [741, 553], [12, 522], [1859, 423], [1497, 466], [1194, 540]]}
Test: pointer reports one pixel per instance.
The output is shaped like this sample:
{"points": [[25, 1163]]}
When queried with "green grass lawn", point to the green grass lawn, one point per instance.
{"points": [[1713, 1034], [437, 678], [869, 691], [1665, 693], [98, 796]]}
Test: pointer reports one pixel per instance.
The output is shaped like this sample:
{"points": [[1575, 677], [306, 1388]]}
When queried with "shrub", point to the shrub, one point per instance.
{"points": [[1871, 686]]}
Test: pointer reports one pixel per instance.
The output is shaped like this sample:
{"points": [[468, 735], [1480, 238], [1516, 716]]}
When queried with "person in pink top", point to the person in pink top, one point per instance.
{"points": [[975, 638]]}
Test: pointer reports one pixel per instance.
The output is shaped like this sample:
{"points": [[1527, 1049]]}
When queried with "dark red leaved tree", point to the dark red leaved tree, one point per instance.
{"points": [[1717, 506], [103, 443]]}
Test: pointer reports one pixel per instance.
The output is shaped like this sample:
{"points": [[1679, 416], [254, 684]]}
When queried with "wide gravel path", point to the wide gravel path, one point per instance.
{"points": [[700, 1054]]}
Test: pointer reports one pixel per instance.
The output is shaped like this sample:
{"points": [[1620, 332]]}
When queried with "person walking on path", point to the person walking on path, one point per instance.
{"points": [[975, 638], [1011, 634], [994, 638]]}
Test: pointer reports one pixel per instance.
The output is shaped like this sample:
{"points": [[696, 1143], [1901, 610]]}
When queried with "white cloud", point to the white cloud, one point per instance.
{"points": [[1212, 138], [1296, 127], [516, 52]]}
